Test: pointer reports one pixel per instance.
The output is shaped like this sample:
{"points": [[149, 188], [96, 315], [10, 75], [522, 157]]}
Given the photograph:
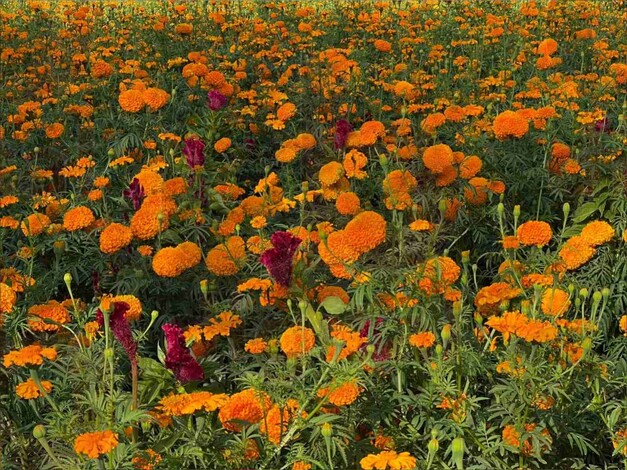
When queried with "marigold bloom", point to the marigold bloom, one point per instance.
{"points": [[469, 167], [131, 101], [597, 232], [155, 98], [53, 311], [29, 390], [424, 339], [222, 145], [115, 237], [256, 346], [95, 444], [32, 355], [7, 299], [510, 242], [78, 218], [348, 203], [510, 124], [296, 341], [341, 395], [188, 403], [354, 163], [576, 252], [547, 47], [286, 111], [382, 45], [54, 131], [277, 421], [248, 407], [534, 233], [388, 459], [226, 258], [35, 224], [173, 261], [331, 173], [555, 302], [437, 157]]}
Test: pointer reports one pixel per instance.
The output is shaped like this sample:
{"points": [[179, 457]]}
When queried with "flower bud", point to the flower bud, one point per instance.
{"points": [[605, 293], [383, 160], [370, 349], [204, 287], [305, 186], [108, 353], [577, 302], [571, 288], [39, 431], [111, 153], [273, 346], [478, 319], [433, 446], [302, 305], [566, 210], [153, 315], [466, 257], [500, 209], [446, 333], [327, 430], [597, 296], [59, 246], [67, 278], [442, 206], [36, 150], [583, 292], [458, 452], [516, 211], [439, 349], [457, 308], [586, 344]]}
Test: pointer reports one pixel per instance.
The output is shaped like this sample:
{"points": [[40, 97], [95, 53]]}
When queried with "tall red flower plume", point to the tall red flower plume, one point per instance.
{"points": [[121, 328], [278, 260], [178, 358], [342, 129]]}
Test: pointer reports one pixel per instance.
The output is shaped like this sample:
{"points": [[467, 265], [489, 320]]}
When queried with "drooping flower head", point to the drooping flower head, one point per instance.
{"points": [[178, 358], [121, 328], [193, 150], [278, 260], [135, 193], [342, 129], [217, 100]]}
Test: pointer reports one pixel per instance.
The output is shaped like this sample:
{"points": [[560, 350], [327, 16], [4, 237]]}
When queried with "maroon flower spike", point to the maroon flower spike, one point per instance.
{"points": [[194, 152], [217, 100], [178, 358], [382, 351], [121, 328], [342, 129], [135, 193], [603, 125], [278, 260]]}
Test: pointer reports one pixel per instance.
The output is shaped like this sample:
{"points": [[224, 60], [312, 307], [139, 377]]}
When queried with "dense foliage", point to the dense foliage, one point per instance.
{"points": [[313, 235]]}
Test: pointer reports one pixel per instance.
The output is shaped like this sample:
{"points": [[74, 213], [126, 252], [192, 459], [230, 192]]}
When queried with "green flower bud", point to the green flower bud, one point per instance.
{"points": [[305, 186], [458, 452], [111, 153], [597, 296], [302, 305], [153, 315], [446, 333], [204, 287], [383, 160], [327, 430], [586, 344], [67, 278], [439, 350], [108, 353], [442, 206], [433, 446], [370, 349], [500, 208], [606, 293], [516, 211], [39, 431], [583, 292], [566, 210]]}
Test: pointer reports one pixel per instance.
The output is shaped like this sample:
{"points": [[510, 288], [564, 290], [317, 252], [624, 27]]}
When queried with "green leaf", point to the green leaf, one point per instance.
{"points": [[585, 211], [333, 305]]}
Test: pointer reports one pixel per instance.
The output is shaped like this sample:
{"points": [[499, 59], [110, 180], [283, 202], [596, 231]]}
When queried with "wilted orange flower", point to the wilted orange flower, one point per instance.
{"points": [[78, 218], [95, 444], [354, 163], [510, 124], [534, 233]]}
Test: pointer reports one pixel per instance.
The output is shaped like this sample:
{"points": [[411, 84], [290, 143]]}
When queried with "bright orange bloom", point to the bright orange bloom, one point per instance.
{"points": [[95, 444]]}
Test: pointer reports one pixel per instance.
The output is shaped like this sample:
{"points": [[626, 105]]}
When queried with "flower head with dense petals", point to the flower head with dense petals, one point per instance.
{"points": [[510, 124], [534, 233], [95, 444], [388, 459]]}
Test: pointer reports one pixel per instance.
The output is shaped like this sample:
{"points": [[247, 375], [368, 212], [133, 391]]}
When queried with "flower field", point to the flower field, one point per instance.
{"points": [[320, 235]]}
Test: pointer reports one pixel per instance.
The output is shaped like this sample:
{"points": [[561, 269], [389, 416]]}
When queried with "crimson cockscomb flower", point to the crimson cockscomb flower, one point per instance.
{"points": [[342, 129], [194, 152], [178, 358], [121, 328], [278, 260], [135, 193], [217, 100]]}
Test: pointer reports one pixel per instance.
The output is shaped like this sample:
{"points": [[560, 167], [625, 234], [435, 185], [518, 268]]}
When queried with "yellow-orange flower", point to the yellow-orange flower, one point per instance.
{"points": [[576, 252], [222, 145], [437, 157], [555, 302], [534, 233], [510, 124], [115, 237], [424, 339], [341, 395], [248, 407], [32, 355], [131, 101], [95, 444], [53, 311], [29, 391], [388, 459], [226, 259], [54, 131], [78, 218], [7, 299], [597, 232], [296, 341], [35, 224]]}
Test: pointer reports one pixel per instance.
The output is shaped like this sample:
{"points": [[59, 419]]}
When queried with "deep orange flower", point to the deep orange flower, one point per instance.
{"points": [[78, 218], [115, 237], [510, 124], [424, 339], [248, 407], [296, 341], [226, 259], [534, 233], [95, 444], [437, 157], [597, 232], [29, 390]]}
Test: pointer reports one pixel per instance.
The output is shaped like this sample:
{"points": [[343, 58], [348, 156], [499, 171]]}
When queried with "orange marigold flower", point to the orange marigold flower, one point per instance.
{"points": [[382, 45], [53, 311], [147, 222], [248, 407], [95, 444], [421, 225], [78, 218], [188, 403], [597, 232], [135, 306], [286, 111], [131, 101], [173, 261], [510, 242], [341, 395], [285, 154], [424, 339], [7, 299], [256, 346], [54, 131], [622, 323], [296, 341], [226, 258], [388, 459], [184, 29], [348, 203], [222, 145], [431, 123], [366, 231], [354, 163], [510, 124], [534, 233], [469, 167], [576, 252], [305, 141], [35, 224], [115, 237], [155, 98], [277, 421], [29, 390], [331, 173], [397, 186], [555, 302], [32, 355], [437, 157], [547, 47]]}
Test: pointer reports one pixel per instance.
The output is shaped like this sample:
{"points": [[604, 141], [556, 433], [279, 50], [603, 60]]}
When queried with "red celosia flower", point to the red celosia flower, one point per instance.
{"points": [[342, 128], [278, 260], [193, 151], [121, 328], [178, 358]]}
